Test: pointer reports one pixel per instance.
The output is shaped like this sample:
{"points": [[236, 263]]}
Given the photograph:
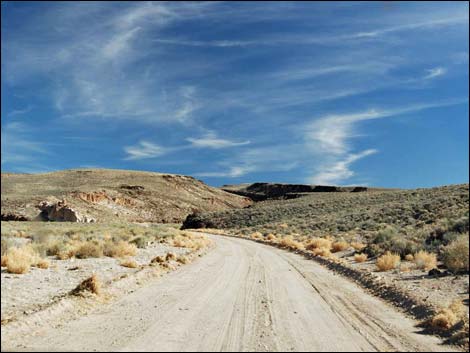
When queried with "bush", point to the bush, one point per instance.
{"points": [[448, 317], [319, 243], [129, 263], [323, 252], [289, 243], [388, 261], [339, 246], [455, 255], [19, 260], [409, 257], [360, 257], [425, 260], [140, 242], [88, 249], [119, 249], [358, 246], [91, 284]]}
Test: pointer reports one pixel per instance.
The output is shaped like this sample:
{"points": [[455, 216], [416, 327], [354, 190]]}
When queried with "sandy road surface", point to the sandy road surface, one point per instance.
{"points": [[242, 296]]}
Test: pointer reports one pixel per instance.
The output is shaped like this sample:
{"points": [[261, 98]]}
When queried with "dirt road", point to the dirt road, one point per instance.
{"points": [[241, 296]]}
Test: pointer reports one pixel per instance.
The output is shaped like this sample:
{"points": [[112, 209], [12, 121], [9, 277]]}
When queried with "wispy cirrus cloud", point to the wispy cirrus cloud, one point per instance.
{"points": [[435, 72], [144, 150], [210, 140]]}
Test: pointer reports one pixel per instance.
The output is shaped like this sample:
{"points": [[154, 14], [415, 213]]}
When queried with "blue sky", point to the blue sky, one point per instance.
{"points": [[363, 93]]}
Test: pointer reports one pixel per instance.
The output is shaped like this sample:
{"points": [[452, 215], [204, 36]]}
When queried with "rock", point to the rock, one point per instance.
{"points": [[436, 273], [61, 212]]}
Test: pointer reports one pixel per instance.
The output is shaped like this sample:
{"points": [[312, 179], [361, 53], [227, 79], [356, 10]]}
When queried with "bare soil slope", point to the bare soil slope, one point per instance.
{"points": [[109, 195]]}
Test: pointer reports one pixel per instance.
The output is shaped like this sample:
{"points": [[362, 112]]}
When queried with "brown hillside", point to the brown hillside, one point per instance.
{"points": [[107, 195]]}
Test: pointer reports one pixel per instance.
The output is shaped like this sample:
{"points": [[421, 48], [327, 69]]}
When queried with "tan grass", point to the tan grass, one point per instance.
{"points": [[358, 246], [323, 252], [43, 264], [170, 256], [388, 261], [256, 235], [409, 257], [131, 263], [289, 243], [91, 284], [182, 259], [448, 317], [360, 257], [317, 243], [88, 249], [424, 260], [4, 260], [20, 259], [271, 237], [120, 249], [339, 246]]}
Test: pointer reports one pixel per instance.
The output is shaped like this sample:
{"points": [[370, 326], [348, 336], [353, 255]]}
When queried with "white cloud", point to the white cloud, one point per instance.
{"points": [[435, 72], [144, 150], [210, 140]]}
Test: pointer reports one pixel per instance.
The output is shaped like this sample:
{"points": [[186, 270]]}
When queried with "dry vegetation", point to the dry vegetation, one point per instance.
{"points": [[28, 244]]}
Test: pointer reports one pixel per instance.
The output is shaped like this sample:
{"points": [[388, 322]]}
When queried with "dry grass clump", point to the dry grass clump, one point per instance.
{"points": [[88, 249], [20, 260], [358, 246], [119, 249], [289, 243], [4, 260], [256, 235], [388, 261], [323, 252], [448, 317], [43, 264], [424, 260], [409, 257], [283, 225], [318, 243], [91, 284], [339, 246], [360, 257], [158, 260], [182, 259], [170, 256], [131, 263], [405, 267], [190, 241], [455, 256], [271, 237]]}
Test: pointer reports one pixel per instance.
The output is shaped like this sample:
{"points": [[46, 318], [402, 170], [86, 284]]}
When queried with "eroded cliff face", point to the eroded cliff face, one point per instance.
{"points": [[270, 191]]}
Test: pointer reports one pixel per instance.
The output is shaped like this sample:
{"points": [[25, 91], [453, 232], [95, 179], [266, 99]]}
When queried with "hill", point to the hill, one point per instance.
{"points": [[107, 195]]}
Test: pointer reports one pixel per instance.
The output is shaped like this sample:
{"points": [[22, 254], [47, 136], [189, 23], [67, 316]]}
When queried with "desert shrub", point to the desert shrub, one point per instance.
{"points": [[323, 252], [425, 261], [140, 242], [455, 256], [319, 243], [289, 243], [271, 237], [182, 259], [403, 246], [409, 257], [170, 256], [460, 225], [129, 263], [448, 317], [43, 263], [6, 243], [4, 260], [388, 261], [360, 257], [91, 284], [385, 235], [19, 260], [158, 260], [120, 249], [339, 246], [358, 246], [89, 249]]}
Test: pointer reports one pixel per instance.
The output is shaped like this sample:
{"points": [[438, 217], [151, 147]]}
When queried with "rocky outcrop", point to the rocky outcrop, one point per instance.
{"points": [[103, 197], [271, 191], [14, 217], [61, 212]]}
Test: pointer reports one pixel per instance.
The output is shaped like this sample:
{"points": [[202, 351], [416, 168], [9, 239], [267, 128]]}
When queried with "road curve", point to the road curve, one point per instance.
{"points": [[241, 296]]}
